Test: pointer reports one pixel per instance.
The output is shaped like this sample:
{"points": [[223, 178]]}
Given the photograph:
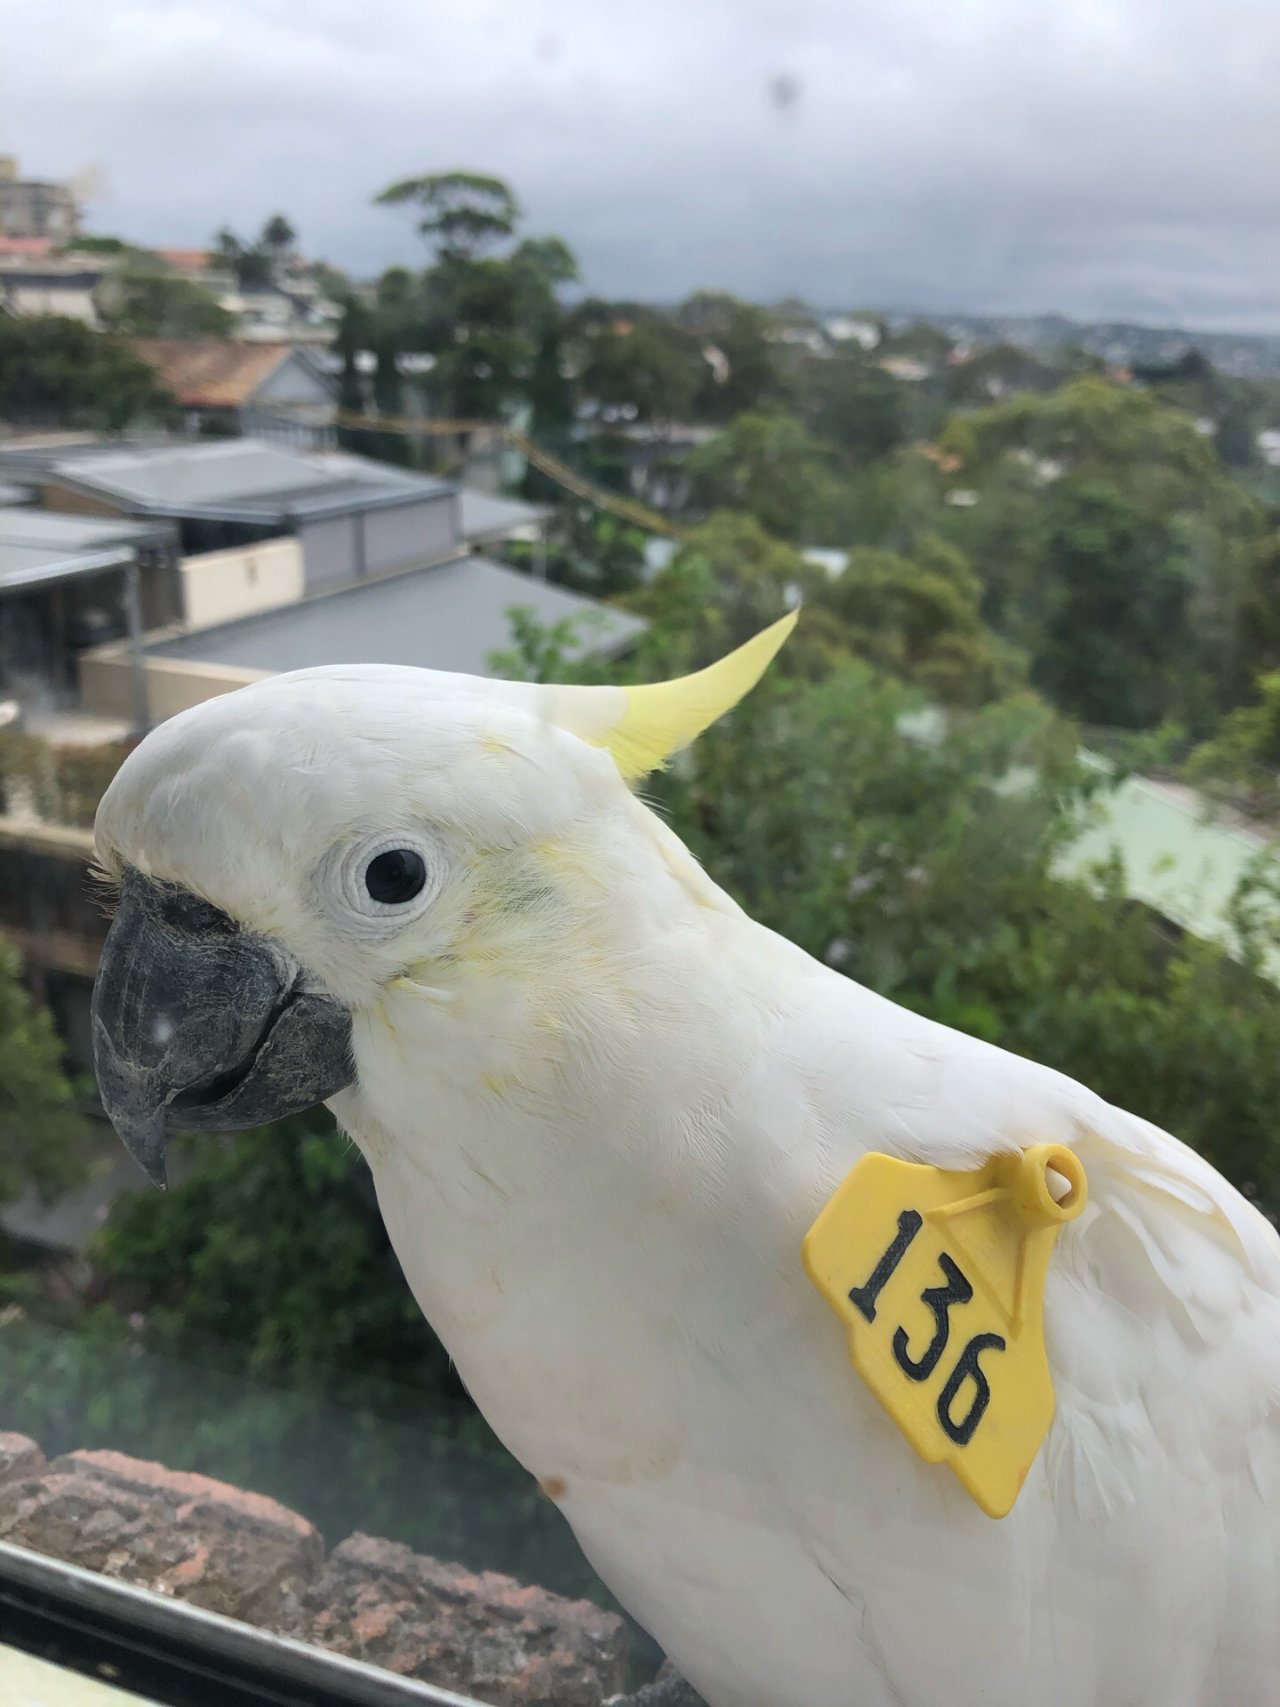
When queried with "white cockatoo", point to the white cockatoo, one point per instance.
{"points": [[603, 1108]]}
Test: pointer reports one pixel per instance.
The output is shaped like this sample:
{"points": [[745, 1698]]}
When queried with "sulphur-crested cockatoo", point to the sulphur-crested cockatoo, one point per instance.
{"points": [[602, 1109]]}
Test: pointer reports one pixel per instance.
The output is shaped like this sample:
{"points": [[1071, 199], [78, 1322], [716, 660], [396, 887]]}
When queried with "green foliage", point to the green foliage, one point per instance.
{"points": [[917, 618], [770, 467], [255, 261], [920, 618], [145, 298], [728, 580], [461, 213], [852, 403], [1240, 763], [1119, 625], [493, 323], [738, 331], [586, 549], [56, 371], [992, 372], [42, 1131], [1114, 549], [642, 363]]}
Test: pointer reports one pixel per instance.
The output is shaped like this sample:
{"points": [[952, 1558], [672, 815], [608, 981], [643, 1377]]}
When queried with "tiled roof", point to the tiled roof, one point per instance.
{"points": [[188, 260], [211, 373]]}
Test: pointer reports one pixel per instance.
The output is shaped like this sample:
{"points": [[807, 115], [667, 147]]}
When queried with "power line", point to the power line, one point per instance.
{"points": [[414, 426]]}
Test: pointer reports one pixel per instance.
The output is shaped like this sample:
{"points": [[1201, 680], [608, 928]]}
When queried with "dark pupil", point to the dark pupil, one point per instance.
{"points": [[395, 876]]}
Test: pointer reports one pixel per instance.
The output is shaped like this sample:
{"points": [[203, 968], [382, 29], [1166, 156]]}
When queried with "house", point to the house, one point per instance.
{"points": [[448, 616], [67, 584], [236, 386], [907, 368], [35, 207], [252, 533], [34, 279], [848, 328], [351, 517]]}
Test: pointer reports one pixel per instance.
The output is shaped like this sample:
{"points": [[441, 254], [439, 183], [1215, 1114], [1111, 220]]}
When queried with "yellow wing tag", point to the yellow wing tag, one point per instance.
{"points": [[939, 1278]]}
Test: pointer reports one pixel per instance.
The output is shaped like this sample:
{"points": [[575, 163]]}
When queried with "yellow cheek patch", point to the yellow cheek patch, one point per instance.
{"points": [[939, 1279]]}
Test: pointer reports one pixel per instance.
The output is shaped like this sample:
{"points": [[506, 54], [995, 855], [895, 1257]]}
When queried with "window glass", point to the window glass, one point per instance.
{"points": [[559, 344]]}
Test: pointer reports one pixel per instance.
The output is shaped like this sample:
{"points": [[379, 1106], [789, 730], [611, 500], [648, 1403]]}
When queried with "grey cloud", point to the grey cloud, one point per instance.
{"points": [[1108, 157]]}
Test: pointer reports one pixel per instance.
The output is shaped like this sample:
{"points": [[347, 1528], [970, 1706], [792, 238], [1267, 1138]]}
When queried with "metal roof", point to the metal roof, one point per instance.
{"points": [[485, 517], [236, 479], [37, 546], [449, 617]]}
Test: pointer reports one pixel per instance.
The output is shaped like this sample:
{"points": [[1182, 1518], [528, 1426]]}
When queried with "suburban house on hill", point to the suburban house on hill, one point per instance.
{"points": [[238, 386]]}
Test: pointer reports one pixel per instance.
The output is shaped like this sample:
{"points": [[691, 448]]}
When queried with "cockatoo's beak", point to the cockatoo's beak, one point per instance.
{"points": [[200, 1026]]}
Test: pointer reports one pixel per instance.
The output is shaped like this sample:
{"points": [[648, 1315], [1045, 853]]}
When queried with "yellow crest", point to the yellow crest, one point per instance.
{"points": [[661, 717]]}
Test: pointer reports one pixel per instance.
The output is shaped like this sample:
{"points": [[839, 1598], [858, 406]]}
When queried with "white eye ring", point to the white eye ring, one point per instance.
{"points": [[344, 877]]}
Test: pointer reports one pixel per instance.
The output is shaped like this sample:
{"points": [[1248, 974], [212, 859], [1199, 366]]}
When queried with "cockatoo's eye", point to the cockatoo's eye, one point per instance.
{"points": [[395, 877], [382, 882]]}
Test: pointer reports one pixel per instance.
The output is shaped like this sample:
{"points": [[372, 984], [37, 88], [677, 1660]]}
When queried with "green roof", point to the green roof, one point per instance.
{"points": [[1177, 859]]}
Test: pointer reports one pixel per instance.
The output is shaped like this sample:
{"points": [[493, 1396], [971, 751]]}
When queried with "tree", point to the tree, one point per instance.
{"points": [[728, 580], [1118, 627], [1121, 549], [146, 298], [58, 372], [351, 338], [739, 371], [43, 1135], [771, 467], [993, 372], [249, 262], [1236, 437], [852, 403], [278, 237], [640, 365], [388, 327], [919, 618], [460, 213], [256, 261], [587, 549], [493, 323]]}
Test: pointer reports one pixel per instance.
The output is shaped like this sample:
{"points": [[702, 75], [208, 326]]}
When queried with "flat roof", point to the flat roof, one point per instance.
{"points": [[484, 516], [232, 479], [38, 546], [448, 617]]}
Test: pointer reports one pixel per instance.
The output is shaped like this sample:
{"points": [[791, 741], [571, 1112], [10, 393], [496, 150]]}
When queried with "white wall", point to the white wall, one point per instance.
{"points": [[74, 301], [218, 586], [107, 685]]}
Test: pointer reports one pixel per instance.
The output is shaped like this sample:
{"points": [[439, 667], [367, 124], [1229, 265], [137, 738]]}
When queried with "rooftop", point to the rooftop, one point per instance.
{"points": [[231, 479], [36, 546], [486, 517], [212, 373], [450, 617], [1178, 860]]}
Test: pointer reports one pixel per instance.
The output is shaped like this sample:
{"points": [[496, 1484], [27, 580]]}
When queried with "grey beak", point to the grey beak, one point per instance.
{"points": [[199, 1026]]}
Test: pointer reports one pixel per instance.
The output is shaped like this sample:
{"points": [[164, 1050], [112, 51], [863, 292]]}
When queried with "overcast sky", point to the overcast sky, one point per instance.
{"points": [[1097, 157]]}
